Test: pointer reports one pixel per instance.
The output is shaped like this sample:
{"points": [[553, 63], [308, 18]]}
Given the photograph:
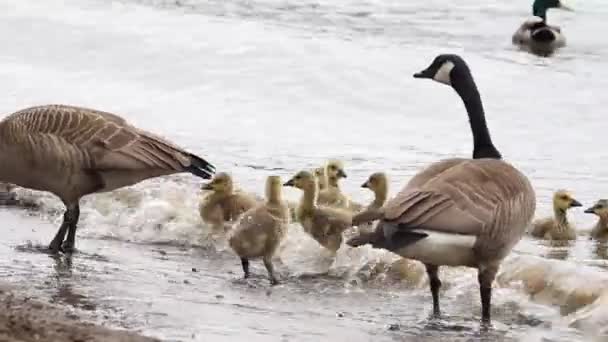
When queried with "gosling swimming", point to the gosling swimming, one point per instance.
{"points": [[557, 227]]}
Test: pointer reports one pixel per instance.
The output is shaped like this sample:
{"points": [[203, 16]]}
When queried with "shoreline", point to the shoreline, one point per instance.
{"points": [[25, 319]]}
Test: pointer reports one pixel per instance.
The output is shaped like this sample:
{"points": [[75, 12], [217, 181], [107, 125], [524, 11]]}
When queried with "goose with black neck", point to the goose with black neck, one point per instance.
{"points": [[458, 211]]}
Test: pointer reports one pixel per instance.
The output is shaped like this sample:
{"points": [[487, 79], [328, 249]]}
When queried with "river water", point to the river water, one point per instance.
{"points": [[262, 87]]}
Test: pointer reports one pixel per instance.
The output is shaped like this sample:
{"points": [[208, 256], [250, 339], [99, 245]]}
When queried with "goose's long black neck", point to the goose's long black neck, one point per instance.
{"points": [[482, 142]]}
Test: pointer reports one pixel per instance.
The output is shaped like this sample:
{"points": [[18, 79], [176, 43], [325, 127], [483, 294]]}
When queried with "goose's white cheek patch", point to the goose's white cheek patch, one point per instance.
{"points": [[443, 74]]}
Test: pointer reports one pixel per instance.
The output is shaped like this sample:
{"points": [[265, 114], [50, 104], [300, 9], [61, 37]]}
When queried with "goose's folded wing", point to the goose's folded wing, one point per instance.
{"points": [[462, 199]]}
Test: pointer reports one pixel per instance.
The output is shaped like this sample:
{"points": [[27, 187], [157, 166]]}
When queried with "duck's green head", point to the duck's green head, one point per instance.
{"points": [[540, 7]]}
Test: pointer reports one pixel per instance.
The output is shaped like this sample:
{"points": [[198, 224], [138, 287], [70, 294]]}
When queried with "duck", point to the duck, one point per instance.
{"points": [[458, 211], [261, 229], [224, 205], [73, 152], [600, 230], [557, 227], [535, 35], [322, 223]]}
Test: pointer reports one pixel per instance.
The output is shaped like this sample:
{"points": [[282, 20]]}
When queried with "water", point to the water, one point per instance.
{"points": [[271, 87]]}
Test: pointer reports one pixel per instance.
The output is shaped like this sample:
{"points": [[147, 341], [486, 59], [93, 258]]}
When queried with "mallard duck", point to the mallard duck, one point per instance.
{"points": [[536, 35]]}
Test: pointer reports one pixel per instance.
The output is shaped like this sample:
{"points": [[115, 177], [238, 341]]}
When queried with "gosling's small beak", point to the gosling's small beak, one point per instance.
{"points": [[341, 174], [365, 185], [423, 74], [289, 183], [575, 203], [206, 186], [590, 210]]}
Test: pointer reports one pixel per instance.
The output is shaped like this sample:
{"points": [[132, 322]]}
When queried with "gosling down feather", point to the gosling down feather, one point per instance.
{"points": [[557, 227], [457, 212], [324, 224], [73, 152], [600, 230], [224, 205], [261, 229]]}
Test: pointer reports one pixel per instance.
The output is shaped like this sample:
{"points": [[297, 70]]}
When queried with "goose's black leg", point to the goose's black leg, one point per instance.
{"points": [[70, 218], [70, 241], [435, 284], [245, 264], [486, 276]]}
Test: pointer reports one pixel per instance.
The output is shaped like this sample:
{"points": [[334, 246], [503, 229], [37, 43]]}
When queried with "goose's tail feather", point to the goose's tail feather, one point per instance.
{"points": [[200, 167]]}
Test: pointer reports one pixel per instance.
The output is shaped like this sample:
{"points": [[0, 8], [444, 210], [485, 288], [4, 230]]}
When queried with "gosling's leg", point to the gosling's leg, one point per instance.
{"points": [[245, 264], [69, 218], [270, 269], [70, 242], [486, 276], [435, 284]]}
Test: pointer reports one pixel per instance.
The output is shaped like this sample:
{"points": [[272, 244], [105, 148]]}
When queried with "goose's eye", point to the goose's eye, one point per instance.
{"points": [[564, 198]]}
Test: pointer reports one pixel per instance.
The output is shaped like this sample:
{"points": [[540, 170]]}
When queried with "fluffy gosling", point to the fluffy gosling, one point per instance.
{"points": [[261, 229]]}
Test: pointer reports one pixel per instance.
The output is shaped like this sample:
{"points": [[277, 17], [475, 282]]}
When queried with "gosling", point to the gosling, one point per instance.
{"points": [[557, 227], [261, 229], [600, 208], [223, 205], [324, 224], [378, 184]]}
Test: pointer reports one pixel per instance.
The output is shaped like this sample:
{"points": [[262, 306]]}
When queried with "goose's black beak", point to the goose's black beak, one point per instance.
{"points": [[365, 185], [341, 174], [289, 183], [590, 210], [423, 74], [575, 203]]}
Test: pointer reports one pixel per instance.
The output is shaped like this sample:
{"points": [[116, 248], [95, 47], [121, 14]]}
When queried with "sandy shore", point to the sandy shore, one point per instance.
{"points": [[24, 319]]}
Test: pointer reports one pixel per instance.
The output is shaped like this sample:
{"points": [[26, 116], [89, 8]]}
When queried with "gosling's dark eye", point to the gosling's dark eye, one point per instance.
{"points": [[297, 177], [599, 206], [565, 198], [332, 167]]}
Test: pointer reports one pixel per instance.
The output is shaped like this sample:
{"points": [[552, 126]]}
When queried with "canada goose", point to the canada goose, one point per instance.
{"points": [[457, 212], [261, 229], [332, 195], [557, 227], [224, 204], [324, 224], [7, 196], [600, 208], [73, 151], [536, 35], [321, 177], [378, 184]]}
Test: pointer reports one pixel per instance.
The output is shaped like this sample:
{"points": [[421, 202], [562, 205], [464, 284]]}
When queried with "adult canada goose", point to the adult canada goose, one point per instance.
{"points": [[261, 229], [72, 152], [536, 35], [324, 224], [600, 208], [224, 204], [457, 212], [7, 196], [557, 227]]}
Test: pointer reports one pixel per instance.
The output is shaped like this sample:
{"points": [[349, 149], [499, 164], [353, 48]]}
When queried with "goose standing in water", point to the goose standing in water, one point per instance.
{"points": [[536, 35], [600, 208], [459, 211], [73, 152], [557, 227]]}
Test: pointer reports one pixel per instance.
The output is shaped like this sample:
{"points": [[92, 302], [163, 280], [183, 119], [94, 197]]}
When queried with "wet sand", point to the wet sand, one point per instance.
{"points": [[25, 319]]}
